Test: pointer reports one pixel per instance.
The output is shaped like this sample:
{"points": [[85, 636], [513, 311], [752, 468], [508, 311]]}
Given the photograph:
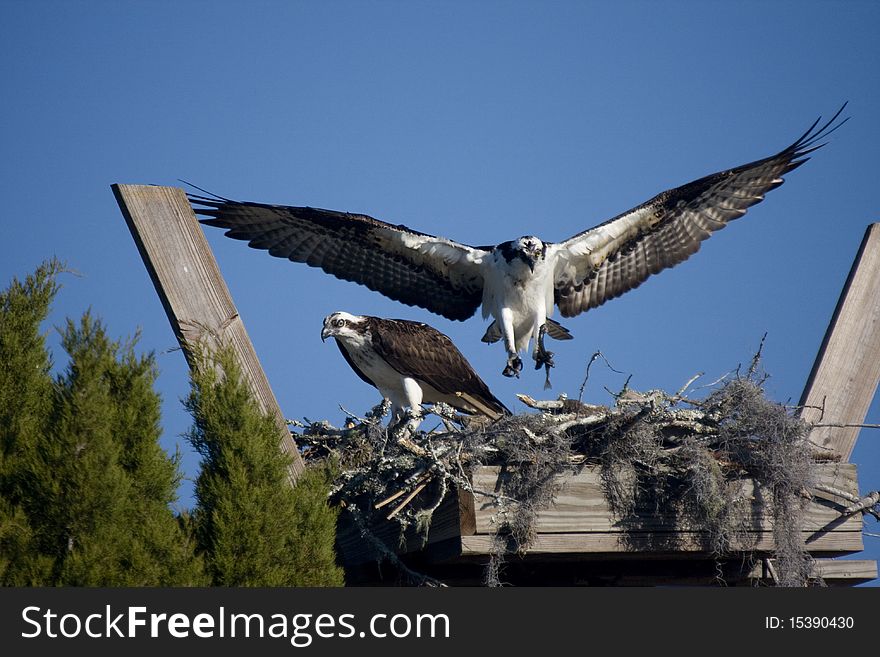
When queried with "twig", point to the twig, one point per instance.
{"points": [[757, 357], [587, 374], [387, 500], [831, 490], [796, 407], [849, 497], [418, 489], [543, 405], [716, 381], [390, 499], [447, 424], [863, 504], [772, 570], [355, 417], [409, 445], [822, 408], [622, 391], [597, 354], [688, 384], [580, 422]]}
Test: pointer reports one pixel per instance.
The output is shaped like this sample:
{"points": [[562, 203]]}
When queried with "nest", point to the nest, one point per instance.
{"points": [[658, 453]]}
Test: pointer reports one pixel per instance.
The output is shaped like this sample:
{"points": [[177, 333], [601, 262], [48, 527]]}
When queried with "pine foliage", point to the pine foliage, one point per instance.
{"points": [[254, 529], [85, 488], [25, 403]]}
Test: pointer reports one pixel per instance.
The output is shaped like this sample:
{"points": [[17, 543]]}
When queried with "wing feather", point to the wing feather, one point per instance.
{"points": [[424, 353], [414, 268], [606, 261]]}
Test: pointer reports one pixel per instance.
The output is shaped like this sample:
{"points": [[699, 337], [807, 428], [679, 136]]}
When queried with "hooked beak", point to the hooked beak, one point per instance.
{"points": [[529, 259], [325, 333]]}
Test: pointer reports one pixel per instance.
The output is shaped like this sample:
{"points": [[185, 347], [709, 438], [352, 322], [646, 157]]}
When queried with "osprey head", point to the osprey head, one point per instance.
{"points": [[528, 248], [342, 325]]}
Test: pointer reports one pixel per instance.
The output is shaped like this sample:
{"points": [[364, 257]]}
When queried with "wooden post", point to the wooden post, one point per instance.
{"points": [[847, 368], [193, 292]]}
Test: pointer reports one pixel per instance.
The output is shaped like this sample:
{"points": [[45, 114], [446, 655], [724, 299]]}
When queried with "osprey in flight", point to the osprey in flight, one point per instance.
{"points": [[410, 363], [517, 282]]}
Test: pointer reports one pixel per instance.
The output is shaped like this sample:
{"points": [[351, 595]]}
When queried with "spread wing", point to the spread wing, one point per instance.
{"points": [[604, 262], [414, 268], [424, 353]]}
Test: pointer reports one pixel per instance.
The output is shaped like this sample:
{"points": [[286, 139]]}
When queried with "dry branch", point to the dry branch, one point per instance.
{"points": [[863, 504]]}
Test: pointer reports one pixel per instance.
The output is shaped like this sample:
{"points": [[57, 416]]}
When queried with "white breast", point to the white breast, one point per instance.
{"points": [[528, 295], [383, 376]]}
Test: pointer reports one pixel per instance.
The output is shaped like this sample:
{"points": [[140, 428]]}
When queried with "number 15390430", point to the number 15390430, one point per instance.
{"points": [[809, 623]]}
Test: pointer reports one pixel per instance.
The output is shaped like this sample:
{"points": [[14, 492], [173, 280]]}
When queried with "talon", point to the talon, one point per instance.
{"points": [[514, 366]]}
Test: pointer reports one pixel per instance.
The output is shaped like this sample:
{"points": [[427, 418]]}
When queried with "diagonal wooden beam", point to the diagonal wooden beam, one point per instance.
{"points": [[847, 368], [191, 287]]}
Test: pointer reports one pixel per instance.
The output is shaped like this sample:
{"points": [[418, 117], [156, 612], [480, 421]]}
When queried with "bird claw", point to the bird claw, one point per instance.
{"points": [[514, 366]]}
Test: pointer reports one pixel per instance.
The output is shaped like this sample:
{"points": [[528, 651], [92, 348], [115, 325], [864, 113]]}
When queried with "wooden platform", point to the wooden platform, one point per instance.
{"points": [[580, 541]]}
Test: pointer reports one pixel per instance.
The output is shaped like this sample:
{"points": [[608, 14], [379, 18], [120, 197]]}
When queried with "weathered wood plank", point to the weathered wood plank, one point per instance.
{"points": [[580, 526], [581, 506], [191, 287], [847, 369], [833, 571], [645, 544]]}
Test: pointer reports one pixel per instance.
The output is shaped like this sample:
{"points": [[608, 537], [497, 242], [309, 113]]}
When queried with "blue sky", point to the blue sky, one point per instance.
{"points": [[478, 121]]}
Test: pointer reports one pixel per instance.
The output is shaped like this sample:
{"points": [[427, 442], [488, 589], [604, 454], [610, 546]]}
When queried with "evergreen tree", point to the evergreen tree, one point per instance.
{"points": [[113, 525], [85, 487], [254, 528], [25, 405]]}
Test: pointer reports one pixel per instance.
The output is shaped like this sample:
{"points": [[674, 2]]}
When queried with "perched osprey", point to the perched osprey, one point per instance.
{"points": [[516, 282], [410, 363]]}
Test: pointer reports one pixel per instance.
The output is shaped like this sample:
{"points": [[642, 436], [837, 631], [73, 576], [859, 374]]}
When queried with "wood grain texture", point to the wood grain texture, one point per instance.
{"points": [[581, 506], [847, 369], [581, 526], [192, 290], [652, 544]]}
